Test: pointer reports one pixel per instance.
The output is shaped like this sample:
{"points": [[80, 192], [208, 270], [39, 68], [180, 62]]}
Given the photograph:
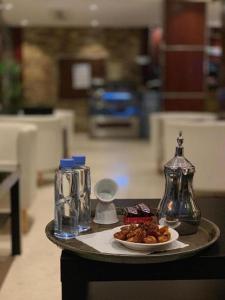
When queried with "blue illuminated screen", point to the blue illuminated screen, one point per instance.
{"points": [[117, 96]]}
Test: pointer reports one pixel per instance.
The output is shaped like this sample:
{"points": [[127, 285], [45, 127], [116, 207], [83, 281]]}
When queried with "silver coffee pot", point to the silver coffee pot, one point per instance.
{"points": [[178, 208]]}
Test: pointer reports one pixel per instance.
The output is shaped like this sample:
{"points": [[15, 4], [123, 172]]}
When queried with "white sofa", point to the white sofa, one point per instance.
{"points": [[67, 117], [19, 151], [157, 127], [204, 146], [49, 138]]}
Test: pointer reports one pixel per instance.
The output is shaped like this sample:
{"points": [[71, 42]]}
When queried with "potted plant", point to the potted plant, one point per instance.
{"points": [[11, 86]]}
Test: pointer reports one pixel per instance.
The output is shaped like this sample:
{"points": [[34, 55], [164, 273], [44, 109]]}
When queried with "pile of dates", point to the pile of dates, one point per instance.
{"points": [[148, 233]]}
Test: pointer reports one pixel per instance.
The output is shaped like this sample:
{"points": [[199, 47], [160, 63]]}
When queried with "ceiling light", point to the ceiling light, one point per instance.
{"points": [[8, 6], [24, 22], [94, 23], [93, 7]]}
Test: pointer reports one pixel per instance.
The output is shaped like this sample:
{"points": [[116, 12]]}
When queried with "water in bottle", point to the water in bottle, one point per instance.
{"points": [[66, 200], [84, 220]]}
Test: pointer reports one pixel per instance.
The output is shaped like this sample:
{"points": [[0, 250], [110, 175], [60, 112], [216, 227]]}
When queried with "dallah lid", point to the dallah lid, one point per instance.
{"points": [[179, 161]]}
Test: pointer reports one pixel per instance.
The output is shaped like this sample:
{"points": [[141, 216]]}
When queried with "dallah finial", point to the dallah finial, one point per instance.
{"points": [[180, 139]]}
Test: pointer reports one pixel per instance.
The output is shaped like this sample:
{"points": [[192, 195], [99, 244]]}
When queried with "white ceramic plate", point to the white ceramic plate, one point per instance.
{"points": [[151, 247]]}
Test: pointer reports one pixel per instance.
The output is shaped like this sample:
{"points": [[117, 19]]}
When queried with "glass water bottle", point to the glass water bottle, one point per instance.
{"points": [[84, 220], [66, 200]]}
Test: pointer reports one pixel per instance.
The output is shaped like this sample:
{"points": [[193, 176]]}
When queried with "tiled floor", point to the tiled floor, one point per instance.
{"points": [[129, 162], [35, 274]]}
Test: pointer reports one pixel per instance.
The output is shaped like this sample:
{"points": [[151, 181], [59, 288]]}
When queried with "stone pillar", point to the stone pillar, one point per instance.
{"points": [[183, 55], [16, 35]]}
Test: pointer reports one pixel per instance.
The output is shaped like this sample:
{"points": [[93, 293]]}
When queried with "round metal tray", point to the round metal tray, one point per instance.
{"points": [[207, 234]]}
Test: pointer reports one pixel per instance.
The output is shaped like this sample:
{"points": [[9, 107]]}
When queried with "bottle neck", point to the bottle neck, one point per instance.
{"points": [[179, 151]]}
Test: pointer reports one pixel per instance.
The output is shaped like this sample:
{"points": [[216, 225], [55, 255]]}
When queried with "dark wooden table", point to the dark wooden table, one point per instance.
{"points": [[9, 182], [77, 272]]}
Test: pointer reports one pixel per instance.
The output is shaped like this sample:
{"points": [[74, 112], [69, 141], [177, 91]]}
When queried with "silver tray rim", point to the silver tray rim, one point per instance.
{"points": [[159, 257]]}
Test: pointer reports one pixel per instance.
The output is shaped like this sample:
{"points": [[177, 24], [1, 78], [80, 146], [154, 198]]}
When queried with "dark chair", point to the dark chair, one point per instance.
{"points": [[38, 110]]}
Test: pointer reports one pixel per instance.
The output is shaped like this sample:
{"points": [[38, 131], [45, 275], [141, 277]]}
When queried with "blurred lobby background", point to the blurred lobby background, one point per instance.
{"points": [[116, 81]]}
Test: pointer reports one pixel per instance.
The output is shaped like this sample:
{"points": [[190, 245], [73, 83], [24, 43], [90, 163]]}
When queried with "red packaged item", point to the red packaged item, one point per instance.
{"points": [[137, 214]]}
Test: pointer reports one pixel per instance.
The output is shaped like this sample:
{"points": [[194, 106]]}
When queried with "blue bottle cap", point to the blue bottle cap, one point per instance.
{"points": [[79, 160], [67, 163]]}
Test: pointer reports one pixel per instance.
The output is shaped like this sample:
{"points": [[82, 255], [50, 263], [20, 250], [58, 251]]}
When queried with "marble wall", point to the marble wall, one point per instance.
{"points": [[43, 47]]}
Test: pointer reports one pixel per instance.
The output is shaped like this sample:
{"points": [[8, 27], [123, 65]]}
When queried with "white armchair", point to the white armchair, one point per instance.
{"points": [[49, 138], [204, 144], [157, 128], [67, 117], [19, 151]]}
